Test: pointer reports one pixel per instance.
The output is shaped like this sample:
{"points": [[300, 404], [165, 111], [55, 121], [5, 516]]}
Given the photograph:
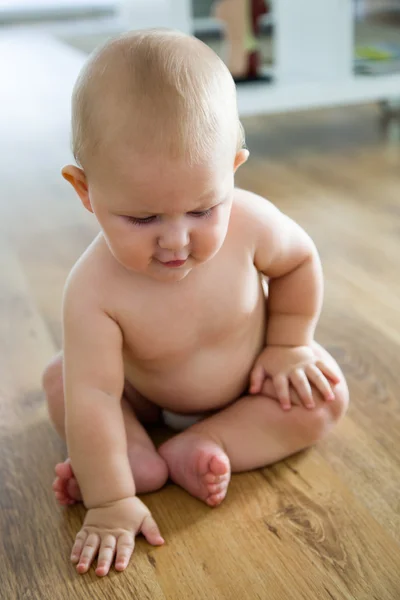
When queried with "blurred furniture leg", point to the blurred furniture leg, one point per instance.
{"points": [[241, 21]]}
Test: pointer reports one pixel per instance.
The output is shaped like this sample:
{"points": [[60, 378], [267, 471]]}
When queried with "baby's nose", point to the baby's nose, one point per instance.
{"points": [[174, 238]]}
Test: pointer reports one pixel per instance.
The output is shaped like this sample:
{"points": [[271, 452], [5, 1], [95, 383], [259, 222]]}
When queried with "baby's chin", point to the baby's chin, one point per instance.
{"points": [[168, 277], [161, 272]]}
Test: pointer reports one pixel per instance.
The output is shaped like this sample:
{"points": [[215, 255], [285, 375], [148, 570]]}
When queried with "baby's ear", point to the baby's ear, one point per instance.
{"points": [[240, 158], [77, 178]]}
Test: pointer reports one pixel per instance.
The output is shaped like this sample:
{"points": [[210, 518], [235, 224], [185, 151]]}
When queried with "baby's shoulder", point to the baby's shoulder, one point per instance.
{"points": [[250, 211], [91, 276], [249, 204]]}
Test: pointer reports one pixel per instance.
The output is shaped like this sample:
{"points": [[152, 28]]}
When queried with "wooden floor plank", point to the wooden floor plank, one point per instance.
{"points": [[363, 464], [25, 347], [331, 526]]}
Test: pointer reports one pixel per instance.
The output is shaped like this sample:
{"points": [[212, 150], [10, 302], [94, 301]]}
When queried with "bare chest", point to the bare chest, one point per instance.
{"points": [[203, 313]]}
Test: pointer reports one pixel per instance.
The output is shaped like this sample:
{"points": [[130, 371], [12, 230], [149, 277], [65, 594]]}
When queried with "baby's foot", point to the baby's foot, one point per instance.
{"points": [[149, 470], [199, 465], [65, 485]]}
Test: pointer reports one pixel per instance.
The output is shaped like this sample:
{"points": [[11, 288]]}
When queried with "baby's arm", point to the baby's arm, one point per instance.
{"points": [[94, 379], [287, 255], [96, 438]]}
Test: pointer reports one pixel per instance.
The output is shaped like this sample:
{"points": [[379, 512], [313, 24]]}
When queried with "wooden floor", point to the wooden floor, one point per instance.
{"points": [[324, 524]]}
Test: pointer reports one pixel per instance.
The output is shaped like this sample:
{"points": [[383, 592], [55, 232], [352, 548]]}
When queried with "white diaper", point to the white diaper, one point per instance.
{"points": [[180, 422]]}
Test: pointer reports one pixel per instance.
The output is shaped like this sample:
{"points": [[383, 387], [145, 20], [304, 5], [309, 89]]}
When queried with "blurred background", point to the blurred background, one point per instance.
{"points": [[309, 54], [297, 41]]}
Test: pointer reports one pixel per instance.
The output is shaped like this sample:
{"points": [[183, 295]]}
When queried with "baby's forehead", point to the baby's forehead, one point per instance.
{"points": [[146, 166], [160, 185]]}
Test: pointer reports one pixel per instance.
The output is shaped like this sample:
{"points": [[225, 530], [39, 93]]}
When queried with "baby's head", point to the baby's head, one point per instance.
{"points": [[157, 138]]}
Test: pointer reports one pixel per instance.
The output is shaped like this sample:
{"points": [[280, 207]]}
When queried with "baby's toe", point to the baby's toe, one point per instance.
{"points": [[61, 498], [216, 488], [215, 499], [64, 470], [219, 465], [217, 479], [58, 485], [60, 490], [73, 489], [211, 478]]}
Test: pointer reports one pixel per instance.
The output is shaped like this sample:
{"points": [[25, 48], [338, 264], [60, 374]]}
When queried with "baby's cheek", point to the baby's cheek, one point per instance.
{"points": [[129, 252], [212, 239], [202, 244]]}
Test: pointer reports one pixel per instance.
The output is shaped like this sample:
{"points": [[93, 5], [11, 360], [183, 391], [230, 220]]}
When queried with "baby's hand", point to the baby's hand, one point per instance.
{"points": [[297, 366], [111, 529]]}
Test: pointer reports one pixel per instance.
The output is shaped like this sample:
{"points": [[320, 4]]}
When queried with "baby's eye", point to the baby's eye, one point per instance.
{"points": [[202, 213], [137, 221]]}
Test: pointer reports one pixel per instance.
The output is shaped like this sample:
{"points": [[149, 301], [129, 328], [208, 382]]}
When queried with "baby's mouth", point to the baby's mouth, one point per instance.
{"points": [[174, 263]]}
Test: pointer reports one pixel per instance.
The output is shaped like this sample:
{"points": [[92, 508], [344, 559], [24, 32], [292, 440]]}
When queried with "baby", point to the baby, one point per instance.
{"points": [[197, 302]]}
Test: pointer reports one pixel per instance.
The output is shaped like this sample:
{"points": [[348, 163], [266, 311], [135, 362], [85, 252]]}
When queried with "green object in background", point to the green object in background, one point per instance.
{"points": [[378, 52], [377, 59]]}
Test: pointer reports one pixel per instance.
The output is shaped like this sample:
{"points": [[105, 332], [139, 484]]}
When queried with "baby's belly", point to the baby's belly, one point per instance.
{"points": [[207, 379]]}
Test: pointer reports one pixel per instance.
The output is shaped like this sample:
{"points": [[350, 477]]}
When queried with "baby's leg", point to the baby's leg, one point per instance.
{"points": [[149, 470], [253, 432]]}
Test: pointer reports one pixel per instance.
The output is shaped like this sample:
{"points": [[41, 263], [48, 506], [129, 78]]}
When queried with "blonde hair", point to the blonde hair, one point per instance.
{"points": [[160, 88]]}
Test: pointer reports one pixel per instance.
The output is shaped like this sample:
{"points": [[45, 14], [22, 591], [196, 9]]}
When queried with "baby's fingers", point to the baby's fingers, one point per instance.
{"points": [[328, 371], [257, 377], [125, 547], [90, 549], [106, 555], [78, 546], [281, 384], [302, 386], [151, 532], [320, 382]]}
